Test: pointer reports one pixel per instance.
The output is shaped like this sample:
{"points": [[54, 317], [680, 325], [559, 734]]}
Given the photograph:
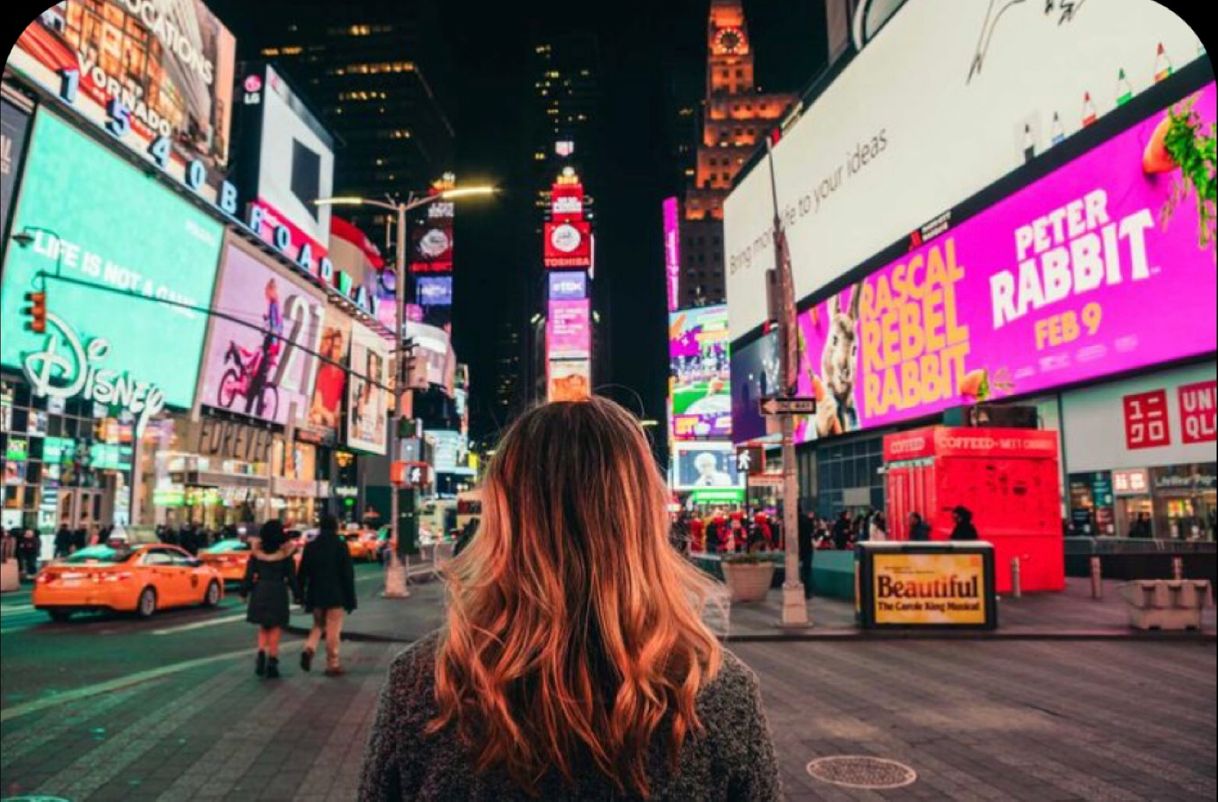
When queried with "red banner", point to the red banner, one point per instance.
{"points": [[1146, 420], [1197, 405], [568, 244]]}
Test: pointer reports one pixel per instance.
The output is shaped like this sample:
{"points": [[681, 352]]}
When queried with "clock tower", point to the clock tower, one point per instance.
{"points": [[736, 117]]}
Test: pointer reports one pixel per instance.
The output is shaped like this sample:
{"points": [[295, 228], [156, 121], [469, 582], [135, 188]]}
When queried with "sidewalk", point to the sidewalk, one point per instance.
{"points": [[1071, 614]]}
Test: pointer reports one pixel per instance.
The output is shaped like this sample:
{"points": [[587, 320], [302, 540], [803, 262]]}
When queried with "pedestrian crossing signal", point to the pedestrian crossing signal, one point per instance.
{"points": [[36, 312]]}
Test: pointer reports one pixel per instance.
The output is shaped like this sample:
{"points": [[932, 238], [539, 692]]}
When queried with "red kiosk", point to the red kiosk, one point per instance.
{"points": [[1008, 478]]}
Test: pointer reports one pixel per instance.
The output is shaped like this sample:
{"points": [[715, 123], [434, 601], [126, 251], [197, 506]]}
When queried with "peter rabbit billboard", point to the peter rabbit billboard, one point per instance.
{"points": [[1105, 265]]}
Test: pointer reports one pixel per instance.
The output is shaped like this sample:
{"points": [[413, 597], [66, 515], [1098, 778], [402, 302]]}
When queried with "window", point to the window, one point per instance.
{"points": [[158, 557]]}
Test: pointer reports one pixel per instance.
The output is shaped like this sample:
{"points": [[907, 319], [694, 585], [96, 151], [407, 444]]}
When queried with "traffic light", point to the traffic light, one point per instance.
{"points": [[36, 311]]}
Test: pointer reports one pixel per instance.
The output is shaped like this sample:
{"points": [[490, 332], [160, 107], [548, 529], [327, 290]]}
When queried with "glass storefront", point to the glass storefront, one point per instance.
{"points": [[1176, 502]]}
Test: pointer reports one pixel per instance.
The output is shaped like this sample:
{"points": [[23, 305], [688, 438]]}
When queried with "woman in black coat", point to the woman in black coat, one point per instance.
{"points": [[327, 582], [269, 574]]}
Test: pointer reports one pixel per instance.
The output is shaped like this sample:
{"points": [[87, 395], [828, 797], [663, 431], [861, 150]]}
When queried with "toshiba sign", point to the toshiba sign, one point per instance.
{"points": [[568, 244]]}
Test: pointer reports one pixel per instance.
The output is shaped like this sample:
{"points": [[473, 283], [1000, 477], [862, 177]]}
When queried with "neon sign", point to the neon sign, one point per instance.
{"points": [[75, 372]]}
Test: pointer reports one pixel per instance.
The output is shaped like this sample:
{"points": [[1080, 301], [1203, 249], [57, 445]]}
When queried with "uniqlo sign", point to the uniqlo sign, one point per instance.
{"points": [[1146, 420], [1197, 404]]}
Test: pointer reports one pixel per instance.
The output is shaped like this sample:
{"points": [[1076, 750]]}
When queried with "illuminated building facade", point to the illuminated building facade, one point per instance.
{"points": [[736, 117]]}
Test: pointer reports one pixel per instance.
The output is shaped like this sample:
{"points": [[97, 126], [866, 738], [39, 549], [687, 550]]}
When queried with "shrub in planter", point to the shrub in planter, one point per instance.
{"points": [[748, 576]]}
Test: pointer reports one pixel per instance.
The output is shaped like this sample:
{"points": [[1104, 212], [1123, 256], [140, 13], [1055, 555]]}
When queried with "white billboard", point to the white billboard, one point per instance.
{"points": [[295, 163], [945, 100]]}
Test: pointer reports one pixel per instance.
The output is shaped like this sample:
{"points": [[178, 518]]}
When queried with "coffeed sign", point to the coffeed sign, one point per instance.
{"points": [[927, 588]]}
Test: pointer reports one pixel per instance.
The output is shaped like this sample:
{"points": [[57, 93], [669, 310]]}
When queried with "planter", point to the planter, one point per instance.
{"points": [[748, 582]]}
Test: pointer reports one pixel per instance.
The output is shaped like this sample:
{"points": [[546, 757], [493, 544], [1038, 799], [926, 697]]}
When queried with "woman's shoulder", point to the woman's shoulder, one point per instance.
{"points": [[732, 690]]}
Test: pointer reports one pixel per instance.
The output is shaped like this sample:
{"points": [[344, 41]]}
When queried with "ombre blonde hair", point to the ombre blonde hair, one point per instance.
{"points": [[573, 629]]}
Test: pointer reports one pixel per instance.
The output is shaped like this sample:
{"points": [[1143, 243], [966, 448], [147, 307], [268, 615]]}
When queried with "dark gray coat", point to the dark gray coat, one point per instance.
{"points": [[327, 577], [732, 760]]}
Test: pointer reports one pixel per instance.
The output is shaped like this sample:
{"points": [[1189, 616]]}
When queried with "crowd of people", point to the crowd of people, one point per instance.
{"points": [[727, 531]]}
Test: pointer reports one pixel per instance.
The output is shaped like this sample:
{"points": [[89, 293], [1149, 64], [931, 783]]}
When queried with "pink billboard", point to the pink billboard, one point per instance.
{"points": [[1104, 266], [672, 254], [567, 330]]}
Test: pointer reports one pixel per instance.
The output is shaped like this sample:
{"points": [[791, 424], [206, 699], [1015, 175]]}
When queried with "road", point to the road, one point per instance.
{"points": [[113, 708]]}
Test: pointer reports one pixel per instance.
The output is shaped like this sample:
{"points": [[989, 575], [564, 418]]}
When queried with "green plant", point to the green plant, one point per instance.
{"points": [[747, 558], [1190, 143]]}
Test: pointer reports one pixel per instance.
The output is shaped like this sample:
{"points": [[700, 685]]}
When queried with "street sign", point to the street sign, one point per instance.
{"points": [[766, 480], [788, 406], [750, 460]]}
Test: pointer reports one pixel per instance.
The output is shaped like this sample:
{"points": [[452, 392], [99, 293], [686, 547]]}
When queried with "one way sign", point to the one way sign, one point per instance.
{"points": [[788, 406]]}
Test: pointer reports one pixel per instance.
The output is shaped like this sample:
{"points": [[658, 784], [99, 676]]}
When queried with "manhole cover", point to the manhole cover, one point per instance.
{"points": [[861, 771]]}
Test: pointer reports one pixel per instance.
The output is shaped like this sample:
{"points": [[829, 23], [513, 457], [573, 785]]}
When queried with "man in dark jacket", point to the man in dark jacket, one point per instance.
{"points": [[467, 534], [806, 529], [27, 553], [964, 525], [841, 530], [327, 583], [63, 541], [918, 530]]}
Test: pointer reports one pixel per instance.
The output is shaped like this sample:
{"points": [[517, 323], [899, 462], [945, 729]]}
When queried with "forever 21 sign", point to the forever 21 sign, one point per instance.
{"points": [[229, 440]]}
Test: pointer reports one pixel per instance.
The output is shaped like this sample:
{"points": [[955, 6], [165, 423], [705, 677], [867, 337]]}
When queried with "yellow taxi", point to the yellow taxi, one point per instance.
{"points": [[229, 557], [142, 580], [358, 545]]}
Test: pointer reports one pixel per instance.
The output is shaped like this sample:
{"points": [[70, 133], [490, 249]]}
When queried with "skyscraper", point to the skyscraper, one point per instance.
{"points": [[377, 77], [736, 117]]}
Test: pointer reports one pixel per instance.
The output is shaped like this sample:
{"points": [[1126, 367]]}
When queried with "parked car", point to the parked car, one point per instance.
{"points": [[142, 580]]}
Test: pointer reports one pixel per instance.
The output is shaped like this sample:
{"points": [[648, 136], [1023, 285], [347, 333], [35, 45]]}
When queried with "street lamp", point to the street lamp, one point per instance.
{"points": [[395, 577]]}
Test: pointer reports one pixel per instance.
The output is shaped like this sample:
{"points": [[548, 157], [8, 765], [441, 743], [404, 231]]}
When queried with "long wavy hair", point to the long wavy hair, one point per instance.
{"points": [[573, 634]]}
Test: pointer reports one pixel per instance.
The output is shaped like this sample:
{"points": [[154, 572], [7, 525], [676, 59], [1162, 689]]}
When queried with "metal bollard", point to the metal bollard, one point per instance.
{"points": [[1097, 579], [1016, 590], [1177, 568]]}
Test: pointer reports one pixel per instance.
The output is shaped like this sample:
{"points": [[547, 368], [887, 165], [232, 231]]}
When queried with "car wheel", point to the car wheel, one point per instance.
{"points": [[146, 605], [212, 597], [59, 616]]}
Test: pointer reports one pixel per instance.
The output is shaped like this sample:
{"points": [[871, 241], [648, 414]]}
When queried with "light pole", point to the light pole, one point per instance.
{"points": [[395, 577], [794, 605]]}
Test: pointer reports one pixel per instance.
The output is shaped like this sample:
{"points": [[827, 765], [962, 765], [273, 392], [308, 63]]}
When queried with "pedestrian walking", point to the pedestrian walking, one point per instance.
{"points": [[964, 529], [877, 530], [327, 583], [270, 573], [918, 530], [80, 536], [841, 530], [513, 697], [467, 534], [63, 541], [807, 529], [27, 553]]}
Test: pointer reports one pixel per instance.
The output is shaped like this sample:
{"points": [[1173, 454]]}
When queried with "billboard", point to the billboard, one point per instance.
{"points": [[168, 64], [568, 286], [325, 407], [568, 380], [855, 176], [755, 375], [434, 290], [672, 253], [568, 330], [295, 166], [260, 357], [704, 464], [1096, 269], [698, 348], [568, 244], [131, 242], [432, 345], [431, 240], [367, 401], [909, 589], [14, 124]]}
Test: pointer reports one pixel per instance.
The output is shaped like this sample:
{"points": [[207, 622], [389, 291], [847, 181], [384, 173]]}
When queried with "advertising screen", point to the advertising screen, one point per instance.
{"points": [[434, 290], [132, 242], [876, 155], [1093, 270], [295, 167], [14, 123], [568, 380], [698, 344], [942, 588], [754, 376], [262, 366], [672, 253], [568, 286], [705, 464], [432, 345], [169, 63], [568, 244], [568, 332], [431, 248], [367, 403], [331, 380]]}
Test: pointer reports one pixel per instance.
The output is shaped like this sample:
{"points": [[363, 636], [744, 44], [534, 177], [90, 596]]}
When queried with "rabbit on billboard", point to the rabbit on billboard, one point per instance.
{"points": [[835, 412]]}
